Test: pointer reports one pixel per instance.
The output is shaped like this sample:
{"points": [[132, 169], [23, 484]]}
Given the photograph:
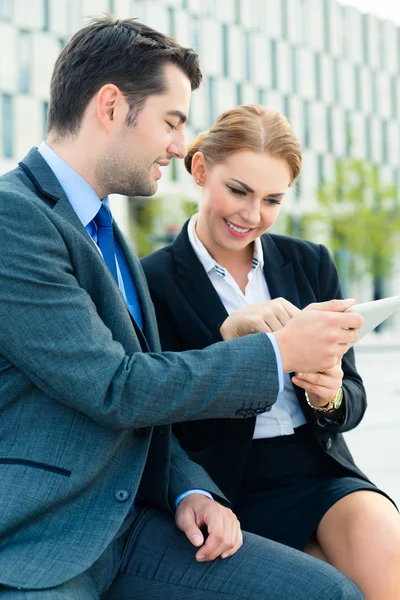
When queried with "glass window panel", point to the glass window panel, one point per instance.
{"points": [[8, 125], [25, 53]]}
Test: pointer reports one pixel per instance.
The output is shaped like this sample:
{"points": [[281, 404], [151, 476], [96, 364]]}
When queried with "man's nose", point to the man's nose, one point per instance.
{"points": [[178, 147]]}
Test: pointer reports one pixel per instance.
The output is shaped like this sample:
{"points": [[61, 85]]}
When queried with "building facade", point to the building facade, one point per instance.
{"points": [[328, 67]]}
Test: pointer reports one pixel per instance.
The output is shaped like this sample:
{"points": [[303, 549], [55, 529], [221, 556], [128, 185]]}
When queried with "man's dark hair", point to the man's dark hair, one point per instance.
{"points": [[125, 52]]}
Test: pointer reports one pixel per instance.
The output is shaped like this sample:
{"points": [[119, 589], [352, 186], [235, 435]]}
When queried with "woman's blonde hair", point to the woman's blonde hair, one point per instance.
{"points": [[251, 127]]}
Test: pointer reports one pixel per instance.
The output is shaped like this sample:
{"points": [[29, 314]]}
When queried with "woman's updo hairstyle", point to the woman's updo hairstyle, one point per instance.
{"points": [[251, 127]]}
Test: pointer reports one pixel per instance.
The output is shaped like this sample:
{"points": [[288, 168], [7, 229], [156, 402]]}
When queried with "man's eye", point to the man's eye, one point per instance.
{"points": [[236, 191], [173, 127]]}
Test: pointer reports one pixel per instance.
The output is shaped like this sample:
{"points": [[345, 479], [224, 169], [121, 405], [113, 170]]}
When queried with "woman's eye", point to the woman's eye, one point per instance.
{"points": [[173, 127], [236, 191], [272, 201]]}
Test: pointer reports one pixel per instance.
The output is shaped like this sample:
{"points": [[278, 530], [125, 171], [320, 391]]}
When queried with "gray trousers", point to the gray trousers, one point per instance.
{"points": [[153, 560]]}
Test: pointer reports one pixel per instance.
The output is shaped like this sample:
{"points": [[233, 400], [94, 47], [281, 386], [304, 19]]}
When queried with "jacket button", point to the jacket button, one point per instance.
{"points": [[251, 412], [121, 496], [328, 444], [241, 413], [260, 411], [142, 433]]}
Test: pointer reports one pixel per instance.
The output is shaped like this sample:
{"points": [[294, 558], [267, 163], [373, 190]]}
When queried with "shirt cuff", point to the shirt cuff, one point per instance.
{"points": [[189, 492], [278, 357]]}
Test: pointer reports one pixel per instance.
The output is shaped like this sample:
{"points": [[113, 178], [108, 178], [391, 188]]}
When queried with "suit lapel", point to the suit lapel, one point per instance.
{"points": [[194, 283], [279, 272]]}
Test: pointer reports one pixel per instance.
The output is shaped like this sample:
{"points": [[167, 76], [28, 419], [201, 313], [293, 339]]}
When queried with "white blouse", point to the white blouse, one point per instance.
{"points": [[286, 413]]}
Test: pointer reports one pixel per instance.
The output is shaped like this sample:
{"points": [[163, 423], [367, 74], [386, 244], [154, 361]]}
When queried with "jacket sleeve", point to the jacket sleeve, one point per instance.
{"points": [[51, 335], [354, 396], [186, 475]]}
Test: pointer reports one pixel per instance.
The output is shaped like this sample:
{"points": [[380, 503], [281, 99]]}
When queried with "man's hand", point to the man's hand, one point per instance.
{"points": [[321, 387], [264, 316], [313, 340], [224, 533]]}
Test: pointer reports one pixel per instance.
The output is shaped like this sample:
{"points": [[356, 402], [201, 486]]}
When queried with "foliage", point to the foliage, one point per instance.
{"points": [[362, 217], [155, 222]]}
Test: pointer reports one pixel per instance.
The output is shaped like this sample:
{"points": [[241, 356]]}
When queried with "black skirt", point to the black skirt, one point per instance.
{"points": [[288, 485]]}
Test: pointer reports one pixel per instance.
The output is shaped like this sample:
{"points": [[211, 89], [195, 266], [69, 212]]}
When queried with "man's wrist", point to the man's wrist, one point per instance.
{"points": [[189, 493]]}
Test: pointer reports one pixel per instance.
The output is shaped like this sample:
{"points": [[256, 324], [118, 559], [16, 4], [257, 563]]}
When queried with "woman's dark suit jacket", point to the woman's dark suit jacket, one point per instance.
{"points": [[190, 312]]}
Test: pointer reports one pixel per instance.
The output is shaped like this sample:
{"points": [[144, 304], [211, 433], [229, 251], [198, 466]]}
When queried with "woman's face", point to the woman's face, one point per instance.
{"points": [[241, 198]]}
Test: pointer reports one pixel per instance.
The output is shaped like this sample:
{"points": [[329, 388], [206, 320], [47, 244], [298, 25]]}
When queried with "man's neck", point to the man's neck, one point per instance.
{"points": [[77, 155]]}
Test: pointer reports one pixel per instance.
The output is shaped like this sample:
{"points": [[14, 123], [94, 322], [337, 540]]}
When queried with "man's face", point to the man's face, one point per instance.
{"points": [[136, 152]]}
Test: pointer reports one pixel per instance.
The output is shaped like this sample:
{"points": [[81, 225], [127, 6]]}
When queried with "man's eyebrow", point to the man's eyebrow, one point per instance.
{"points": [[178, 113]]}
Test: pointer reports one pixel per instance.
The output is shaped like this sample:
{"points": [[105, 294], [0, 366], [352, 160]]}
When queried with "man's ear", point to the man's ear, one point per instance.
{"points": [[199, 168], [111, 105]]}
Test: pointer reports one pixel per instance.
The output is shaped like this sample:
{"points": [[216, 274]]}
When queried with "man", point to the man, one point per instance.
{"points": [[90, 475]]}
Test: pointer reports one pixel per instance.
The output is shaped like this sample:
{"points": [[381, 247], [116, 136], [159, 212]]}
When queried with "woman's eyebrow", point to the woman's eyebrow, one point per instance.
{"points": [[244, 185]]}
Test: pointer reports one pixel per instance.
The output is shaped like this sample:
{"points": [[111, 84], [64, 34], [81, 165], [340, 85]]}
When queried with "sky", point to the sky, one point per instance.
{"points": [[383, 9]]}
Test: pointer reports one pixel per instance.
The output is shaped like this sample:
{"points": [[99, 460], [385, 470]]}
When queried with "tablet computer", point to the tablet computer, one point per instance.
{"points": [[374, 313]]}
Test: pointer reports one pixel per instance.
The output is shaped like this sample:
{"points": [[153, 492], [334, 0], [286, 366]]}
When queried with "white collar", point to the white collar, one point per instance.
{"points": [[207, 260]]}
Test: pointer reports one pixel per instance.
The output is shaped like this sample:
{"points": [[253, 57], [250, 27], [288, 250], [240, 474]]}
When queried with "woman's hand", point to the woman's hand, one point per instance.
{"points": [[262, 317], [321, 387]]}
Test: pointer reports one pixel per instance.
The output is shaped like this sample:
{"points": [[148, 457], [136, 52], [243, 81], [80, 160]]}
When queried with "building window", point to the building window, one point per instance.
{"points": [[286, 107], [348, 133], [336, 81], [321, 170], [45, 110], [329, 128], [46, 15], [385, 148], [211, 99], [393, 94], [364, 33], [24, 61], [6, 10], [374, 92], [274, 65], [295, 79], [284, 14], [262, 97], [239, 94], [357, 86], [171, 21], [306, 120], [196, 34], [317, 69], [225, 50], [237, 12], [247, 56], [327, 26], [208, 7], [7, 118], [368, 138]]}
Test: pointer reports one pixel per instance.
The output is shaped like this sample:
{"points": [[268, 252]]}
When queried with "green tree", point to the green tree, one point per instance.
{"points": [[362, 217]]}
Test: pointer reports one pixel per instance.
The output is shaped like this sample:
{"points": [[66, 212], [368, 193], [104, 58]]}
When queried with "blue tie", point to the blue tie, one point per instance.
{"points": [[105, 239]]}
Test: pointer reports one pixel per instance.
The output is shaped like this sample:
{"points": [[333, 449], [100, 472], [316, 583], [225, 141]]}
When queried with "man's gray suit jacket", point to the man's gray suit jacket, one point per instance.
{"points": [[86, 399]]}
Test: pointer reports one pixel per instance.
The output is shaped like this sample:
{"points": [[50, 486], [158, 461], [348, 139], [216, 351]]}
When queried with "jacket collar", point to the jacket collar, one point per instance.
{"points": [[278, 271], [47, 183], [193, 280]]}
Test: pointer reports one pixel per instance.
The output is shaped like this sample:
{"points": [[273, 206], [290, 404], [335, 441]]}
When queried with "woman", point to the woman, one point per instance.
{"points": [[288, 472]]}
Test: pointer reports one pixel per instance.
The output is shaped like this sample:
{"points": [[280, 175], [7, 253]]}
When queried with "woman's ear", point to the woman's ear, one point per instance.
{"points": [[199, 168]]}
